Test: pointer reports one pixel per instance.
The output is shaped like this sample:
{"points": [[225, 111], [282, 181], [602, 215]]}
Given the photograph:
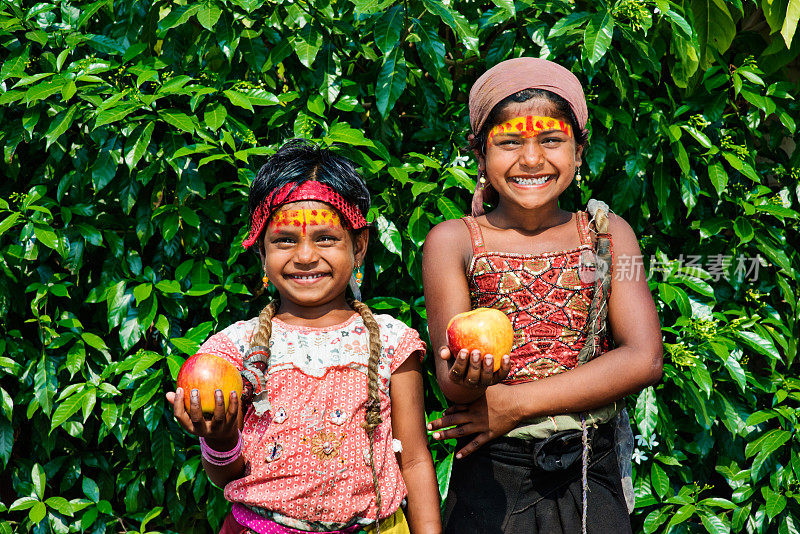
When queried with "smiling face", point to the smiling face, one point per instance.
{"points": [[531, 154], [309, 256]]}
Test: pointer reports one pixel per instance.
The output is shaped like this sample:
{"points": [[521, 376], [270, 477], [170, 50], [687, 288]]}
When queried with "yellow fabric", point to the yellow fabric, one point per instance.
{"points": [[394, 524]]}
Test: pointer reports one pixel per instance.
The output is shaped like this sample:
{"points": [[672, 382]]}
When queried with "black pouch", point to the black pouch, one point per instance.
{"points": [[559, 451]]}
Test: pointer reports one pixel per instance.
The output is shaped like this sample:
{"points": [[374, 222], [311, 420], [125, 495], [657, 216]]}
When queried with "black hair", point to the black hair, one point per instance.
{"points": [[562, 108], [300, 160]]}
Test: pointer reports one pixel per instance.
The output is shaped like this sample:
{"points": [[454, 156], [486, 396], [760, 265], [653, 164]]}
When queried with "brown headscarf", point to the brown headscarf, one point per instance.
{"points": [[511, 76]]}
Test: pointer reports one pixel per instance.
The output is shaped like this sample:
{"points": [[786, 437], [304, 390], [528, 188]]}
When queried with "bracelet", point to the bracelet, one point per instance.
{"points": [[221, 458]]}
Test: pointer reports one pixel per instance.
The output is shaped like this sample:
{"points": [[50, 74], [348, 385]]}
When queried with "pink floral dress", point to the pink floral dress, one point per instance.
{"points": [[307, 458]]}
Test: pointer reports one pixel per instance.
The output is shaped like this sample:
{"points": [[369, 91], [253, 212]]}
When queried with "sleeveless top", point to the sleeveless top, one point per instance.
{"points": [[543, 295]]}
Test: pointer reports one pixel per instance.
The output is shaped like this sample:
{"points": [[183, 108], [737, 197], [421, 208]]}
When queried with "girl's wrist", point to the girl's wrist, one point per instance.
{"points": [[223, 444]]}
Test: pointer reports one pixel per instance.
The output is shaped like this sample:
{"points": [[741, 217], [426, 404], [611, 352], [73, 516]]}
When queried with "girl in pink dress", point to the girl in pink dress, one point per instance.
{"points": [[537, 439], [330, 436]]}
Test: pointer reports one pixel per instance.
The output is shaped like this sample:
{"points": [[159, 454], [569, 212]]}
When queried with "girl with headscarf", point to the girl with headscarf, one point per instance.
{"points": [[538, 437]]}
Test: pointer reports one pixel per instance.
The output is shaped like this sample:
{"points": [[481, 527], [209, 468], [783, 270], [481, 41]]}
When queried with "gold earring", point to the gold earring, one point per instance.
{"points": [[265, 279]]}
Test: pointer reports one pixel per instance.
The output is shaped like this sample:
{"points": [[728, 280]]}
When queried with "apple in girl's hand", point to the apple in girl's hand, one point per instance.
{"points": [[208, 373], [485, 329]]}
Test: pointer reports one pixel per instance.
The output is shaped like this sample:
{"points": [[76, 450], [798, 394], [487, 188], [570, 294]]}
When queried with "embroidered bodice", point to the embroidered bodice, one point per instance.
{"points": [[544, 297], [308, 457]]}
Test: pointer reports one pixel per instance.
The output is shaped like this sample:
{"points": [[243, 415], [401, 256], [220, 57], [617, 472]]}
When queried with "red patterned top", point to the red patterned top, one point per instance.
{"points": [[542, 294]]}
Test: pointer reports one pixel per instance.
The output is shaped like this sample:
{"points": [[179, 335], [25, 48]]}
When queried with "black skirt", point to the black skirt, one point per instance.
{"points": [[516, 486]]}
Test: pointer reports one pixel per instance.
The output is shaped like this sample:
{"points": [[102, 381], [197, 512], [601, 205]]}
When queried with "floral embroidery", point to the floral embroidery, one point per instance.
{"points": [[325, 445], [359, 330], [280, 416], [338, 417], [273, 451]]}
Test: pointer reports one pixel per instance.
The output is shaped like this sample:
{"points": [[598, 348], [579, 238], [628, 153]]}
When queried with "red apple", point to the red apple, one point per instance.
{"points": [[485, 329], [208, 373]]}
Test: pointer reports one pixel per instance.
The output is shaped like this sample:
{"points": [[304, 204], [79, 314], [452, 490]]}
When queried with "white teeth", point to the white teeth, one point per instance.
{"points": [[531, 181], [312, 277]]}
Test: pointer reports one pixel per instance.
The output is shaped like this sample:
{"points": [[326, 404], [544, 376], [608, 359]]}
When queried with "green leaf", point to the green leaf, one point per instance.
{"points": [[388, 29], [37, 512], [45, 383], [758, 343], [767, 443], [391, 80], [60, 124], [389, 236], [149, 387], [238, 99], [67, 409], [45, 235], [135, 150], [448, 208], [178, 120], [456, 21], [736, 372], [43, 90], [39, 480], [15, 66], [114, 114], [306, 44], [790, 22], [654, 520], [646, 411], [659, 480], [88, 11], [597, 37], [215, 116], [715, 28], [8, 222], [90, 489], [718, 177], [775, 502], [61, 505], [684, 512], [208, 15], [743, 229], [218, 304], [6, 441], [714, 524]]}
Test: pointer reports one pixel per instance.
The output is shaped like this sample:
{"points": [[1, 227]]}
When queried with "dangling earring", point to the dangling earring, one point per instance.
{"points": [[355, 281], [265, 279], [482, 179], [578, 177]]}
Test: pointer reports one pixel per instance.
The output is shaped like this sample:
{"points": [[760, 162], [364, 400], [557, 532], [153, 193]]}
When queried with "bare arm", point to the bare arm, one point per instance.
{"points": [[416, 464], [634, 364], [221, 432], [444, 264]]}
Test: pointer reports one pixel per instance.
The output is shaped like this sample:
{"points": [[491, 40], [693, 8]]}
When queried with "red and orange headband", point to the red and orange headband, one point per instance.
{"points": [[294, 192]]}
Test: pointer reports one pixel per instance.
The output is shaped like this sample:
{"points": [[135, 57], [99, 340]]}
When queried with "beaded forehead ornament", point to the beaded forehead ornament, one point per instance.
{"points": [[530, 126], [293, 192]]}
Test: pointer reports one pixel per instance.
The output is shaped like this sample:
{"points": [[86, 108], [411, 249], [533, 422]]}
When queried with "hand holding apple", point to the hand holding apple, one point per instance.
{"points": [[480, 341], [206, 400]]}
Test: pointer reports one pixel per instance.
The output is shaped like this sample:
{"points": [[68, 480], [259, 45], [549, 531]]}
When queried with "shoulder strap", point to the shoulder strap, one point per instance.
{"points": [[582, 221], [475, 234], [598, 308]]}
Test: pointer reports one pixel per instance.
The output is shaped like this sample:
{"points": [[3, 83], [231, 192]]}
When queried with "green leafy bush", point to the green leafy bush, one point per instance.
{"points": [[130, 131]]}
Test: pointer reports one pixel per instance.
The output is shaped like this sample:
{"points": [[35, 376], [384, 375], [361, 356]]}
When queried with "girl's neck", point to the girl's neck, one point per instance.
{"points": [[527, 221], [331, 313]]}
